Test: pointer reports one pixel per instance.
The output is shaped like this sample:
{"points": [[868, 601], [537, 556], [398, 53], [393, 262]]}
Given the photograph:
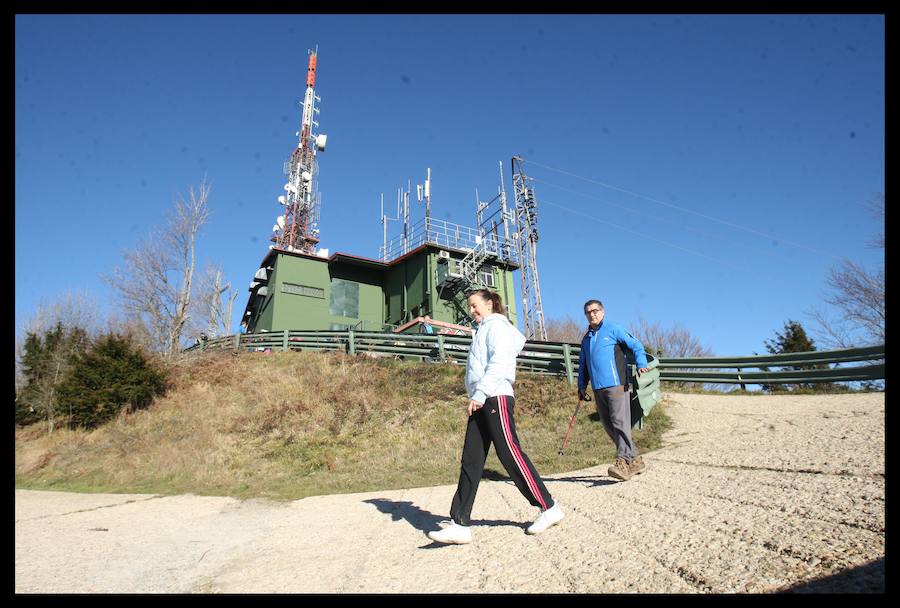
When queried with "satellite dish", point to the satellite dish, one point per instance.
{"points": [[282, 200], [287, 187], [320, 142], [306, 176], [275, 228], [280, 221]]}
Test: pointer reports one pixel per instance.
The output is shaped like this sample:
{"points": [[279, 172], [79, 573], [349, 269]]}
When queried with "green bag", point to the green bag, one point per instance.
{"points": [[645, 390]]}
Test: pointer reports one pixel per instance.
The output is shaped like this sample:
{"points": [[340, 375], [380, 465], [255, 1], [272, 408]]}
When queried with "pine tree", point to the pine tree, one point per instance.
{"points": [[112, 375], [793, 339], [45, 362]]}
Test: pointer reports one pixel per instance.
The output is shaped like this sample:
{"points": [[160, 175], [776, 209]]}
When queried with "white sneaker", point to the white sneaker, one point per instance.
{"points": [[454, 534], [550, 517]]}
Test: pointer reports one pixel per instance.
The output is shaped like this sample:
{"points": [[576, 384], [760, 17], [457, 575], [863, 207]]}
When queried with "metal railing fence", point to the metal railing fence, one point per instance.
{"points": [[561, 358]]}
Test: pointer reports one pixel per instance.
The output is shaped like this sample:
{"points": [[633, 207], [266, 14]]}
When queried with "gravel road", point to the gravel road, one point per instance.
{"points": [[751, 494]]}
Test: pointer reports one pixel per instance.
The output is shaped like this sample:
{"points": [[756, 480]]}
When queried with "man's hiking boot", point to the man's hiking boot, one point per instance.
{"points": [[620, 470], [636, 466]]}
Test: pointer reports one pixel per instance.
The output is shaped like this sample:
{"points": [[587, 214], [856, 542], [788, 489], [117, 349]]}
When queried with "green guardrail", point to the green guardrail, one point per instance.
{"points": [[561, 358]]}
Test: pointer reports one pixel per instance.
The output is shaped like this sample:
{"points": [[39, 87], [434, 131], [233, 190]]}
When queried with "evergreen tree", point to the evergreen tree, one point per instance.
{"points": [[793, 339], [113, 374], [45, 362]]}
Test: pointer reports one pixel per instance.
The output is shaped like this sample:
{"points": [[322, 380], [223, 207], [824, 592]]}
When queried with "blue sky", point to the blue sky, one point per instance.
{"points": [[699, 170]]}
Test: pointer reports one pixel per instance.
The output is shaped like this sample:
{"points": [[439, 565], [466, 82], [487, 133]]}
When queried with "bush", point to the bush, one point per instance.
{"points": [[113, 374]]}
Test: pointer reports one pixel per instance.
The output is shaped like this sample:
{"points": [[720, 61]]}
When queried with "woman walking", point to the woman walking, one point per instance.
{"points": [[490, 373]]}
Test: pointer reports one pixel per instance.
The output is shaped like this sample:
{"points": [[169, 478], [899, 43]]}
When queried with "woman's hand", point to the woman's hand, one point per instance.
{"points": [[473, 407]]}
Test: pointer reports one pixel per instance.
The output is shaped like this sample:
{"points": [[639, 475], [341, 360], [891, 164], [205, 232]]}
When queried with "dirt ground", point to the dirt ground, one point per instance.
{"points": [[750, 494]]}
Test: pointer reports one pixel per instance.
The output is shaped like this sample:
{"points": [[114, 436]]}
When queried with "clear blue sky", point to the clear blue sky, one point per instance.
{"points": [[747, 144]]}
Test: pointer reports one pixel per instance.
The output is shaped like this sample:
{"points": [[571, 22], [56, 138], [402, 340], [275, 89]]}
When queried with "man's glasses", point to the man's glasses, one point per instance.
{"points": [[588, 313]]}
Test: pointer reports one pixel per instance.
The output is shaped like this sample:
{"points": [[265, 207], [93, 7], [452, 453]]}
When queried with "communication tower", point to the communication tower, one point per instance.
{"points": [[297, 229]]}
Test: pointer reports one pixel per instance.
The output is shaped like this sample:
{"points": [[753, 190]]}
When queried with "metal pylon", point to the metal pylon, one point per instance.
{"points": [[526, 238]]}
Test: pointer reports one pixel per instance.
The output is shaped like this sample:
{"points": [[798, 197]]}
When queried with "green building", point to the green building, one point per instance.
{"points": [[426, 274]]}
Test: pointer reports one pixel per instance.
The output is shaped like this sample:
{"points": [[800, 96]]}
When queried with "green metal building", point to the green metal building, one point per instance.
{"points": [[427, 274]]}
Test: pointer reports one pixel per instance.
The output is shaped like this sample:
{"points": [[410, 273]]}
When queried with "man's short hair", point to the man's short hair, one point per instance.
{"points": [[589, 302]]}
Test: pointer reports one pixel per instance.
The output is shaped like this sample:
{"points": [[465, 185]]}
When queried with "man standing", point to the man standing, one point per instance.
{"points": [[602, 362]]}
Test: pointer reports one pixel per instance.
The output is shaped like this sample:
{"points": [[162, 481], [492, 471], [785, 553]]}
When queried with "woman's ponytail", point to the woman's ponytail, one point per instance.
{"points": [[498, 304], [489, 296]]}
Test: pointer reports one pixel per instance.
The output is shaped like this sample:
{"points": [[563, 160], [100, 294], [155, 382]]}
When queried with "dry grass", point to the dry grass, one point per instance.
{"points": [[288, 425]]}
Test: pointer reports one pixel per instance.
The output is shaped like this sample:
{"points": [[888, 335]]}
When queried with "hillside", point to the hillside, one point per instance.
{"points": [[289, 425]]}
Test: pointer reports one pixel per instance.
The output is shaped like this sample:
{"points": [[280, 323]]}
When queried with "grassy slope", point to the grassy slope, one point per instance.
{"points": [[288, 425]]}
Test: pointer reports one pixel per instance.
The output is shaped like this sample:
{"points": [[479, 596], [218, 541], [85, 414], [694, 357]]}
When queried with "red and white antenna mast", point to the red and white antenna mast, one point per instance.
{"points": [[297, 229]]}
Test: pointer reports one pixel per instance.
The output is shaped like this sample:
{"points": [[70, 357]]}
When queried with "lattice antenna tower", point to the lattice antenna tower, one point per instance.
{"points": [[526, 237], [297, 229]]}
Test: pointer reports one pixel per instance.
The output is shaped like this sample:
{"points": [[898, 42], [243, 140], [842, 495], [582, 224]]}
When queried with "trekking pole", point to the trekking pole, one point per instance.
{"points": [[572, 423]]}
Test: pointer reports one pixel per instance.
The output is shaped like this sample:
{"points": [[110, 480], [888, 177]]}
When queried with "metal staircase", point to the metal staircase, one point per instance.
{"points": [[469, 265]]}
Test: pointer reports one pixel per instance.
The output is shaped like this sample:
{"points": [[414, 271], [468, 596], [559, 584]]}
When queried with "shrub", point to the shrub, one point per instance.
{"points": [[113, 374]]}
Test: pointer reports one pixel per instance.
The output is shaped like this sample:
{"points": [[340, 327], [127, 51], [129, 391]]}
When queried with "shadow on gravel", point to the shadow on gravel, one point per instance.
{"points": [[868, 578], [495, 475], [426, 521], [591, 481]]}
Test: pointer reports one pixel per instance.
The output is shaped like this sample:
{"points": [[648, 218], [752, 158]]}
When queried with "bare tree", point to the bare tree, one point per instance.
{"points": [[565, 330], [134, 329], [674, 342], [156, 284], [876, 208], [668, 342], [215, 304], [858, 296]]}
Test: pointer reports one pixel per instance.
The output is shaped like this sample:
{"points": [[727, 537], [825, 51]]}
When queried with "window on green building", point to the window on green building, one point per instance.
{"points": [[343, 300]]}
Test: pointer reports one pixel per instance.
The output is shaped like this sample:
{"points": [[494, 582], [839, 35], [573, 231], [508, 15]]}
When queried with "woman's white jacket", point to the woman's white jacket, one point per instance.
{"points": [[491, 366]]}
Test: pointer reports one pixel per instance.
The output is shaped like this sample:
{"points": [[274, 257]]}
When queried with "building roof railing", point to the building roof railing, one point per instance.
{"points": [[452, 236]]}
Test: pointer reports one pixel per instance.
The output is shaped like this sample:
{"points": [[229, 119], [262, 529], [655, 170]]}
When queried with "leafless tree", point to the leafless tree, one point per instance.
{"points": [[134, 329], [156, 283], [858, 296], [72, 309], [668, 342], [876, 208], [565, 330], [215, 303], [673, 342]]}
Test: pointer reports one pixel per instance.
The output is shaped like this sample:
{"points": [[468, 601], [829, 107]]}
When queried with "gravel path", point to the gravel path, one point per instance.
{"points": [[751, 494]]}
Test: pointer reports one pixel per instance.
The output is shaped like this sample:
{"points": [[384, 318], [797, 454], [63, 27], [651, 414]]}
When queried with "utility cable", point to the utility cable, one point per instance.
{"points": [[596, 219], [697, 213], [652, 217]]}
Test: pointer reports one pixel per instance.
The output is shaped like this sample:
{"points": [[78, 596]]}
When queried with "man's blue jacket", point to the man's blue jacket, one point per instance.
{"points": [[602, 360]]}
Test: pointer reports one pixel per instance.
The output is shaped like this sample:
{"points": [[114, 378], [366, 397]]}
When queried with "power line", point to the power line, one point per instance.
{"points": [[652, 217], [697, 213], [596, 219]]}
